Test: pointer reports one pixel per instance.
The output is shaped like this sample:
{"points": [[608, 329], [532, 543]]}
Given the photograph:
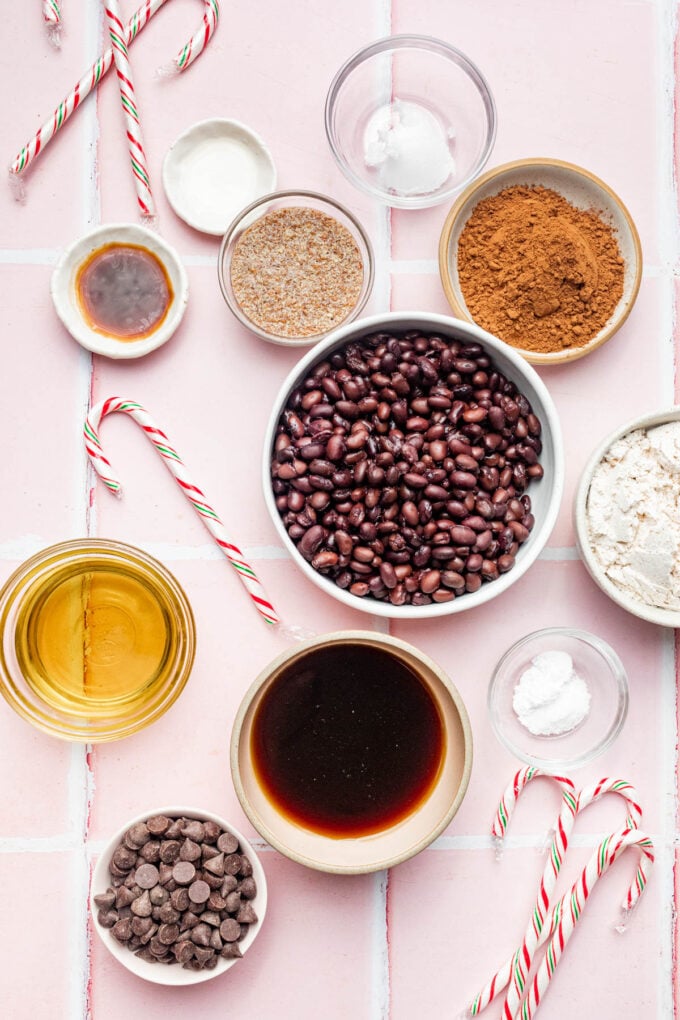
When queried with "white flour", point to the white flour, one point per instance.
{"points": [[551, 698], [407, 145], [633, 515]]}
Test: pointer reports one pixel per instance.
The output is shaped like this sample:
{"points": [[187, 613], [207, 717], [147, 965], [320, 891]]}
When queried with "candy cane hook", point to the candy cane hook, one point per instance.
{"points": [[177, 469], [186, 56], [52, 18]]}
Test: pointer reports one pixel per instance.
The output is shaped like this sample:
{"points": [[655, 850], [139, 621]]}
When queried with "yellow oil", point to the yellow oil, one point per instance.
{"points": [[95, 640]]}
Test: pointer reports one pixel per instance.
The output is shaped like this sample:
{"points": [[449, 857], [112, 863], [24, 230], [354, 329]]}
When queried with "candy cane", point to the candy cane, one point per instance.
{"points": [[521, 961], [176, 467], [52, 18], [587, 796], [186, 56], [133, 127], [608, 851]]}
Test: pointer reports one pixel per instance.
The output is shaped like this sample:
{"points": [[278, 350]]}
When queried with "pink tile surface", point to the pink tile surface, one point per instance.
{"points": [[591, 82]]}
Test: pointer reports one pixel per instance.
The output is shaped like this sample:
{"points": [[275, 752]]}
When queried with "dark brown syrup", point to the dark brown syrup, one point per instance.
{"points": [[347, 740], [124, 291]]}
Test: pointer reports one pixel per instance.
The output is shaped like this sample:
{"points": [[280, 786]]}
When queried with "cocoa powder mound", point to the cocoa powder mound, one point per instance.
{"points": [[537, 272]]}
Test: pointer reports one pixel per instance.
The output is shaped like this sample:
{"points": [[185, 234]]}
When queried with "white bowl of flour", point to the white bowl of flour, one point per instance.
{"points": [[627, 517]]}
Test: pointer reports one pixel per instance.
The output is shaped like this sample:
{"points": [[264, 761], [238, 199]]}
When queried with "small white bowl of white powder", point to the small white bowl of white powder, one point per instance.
{"points": [[627, 517], [558, 698]]}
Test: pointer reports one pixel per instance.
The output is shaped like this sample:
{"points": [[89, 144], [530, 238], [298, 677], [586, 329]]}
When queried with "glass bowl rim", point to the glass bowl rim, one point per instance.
{"points": [[367, 259], [416, 42], [617, 672], [185, 654]]}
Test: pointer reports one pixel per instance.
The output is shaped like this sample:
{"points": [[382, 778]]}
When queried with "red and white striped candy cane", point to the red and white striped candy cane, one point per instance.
{"points": [[186, 56], [608, 851], [51, 12], [177, 469], [128, 100], [521, 960], [587, 796]]}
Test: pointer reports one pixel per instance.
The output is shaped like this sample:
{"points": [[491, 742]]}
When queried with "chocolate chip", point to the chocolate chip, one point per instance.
{"points": [[106, 899], [138, 835], [124, 897], [232, 864], [168, 915], [184, 872], [147, 876], [200, 936], [248, 888], [211, 832], [215, 865], [227, 843], [180, 899], [230, 930], [158, 825], [142, 906], [123, 858], [167, 933], [169, 851], [199, 891], [122, 930], [183, 951], [194, 830], [233, 902], [158, 895], [189, 851], [231, 951]]}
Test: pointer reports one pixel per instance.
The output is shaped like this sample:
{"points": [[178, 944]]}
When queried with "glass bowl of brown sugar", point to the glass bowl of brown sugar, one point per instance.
{"points": [[295, 265], [543, 255]]}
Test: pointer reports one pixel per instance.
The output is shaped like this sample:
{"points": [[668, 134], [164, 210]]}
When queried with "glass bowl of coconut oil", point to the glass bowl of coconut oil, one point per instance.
{"points": [[97, 640]]}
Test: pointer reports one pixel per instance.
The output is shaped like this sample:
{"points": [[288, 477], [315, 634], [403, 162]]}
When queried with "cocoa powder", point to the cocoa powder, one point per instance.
{"points": [[537, 272]]}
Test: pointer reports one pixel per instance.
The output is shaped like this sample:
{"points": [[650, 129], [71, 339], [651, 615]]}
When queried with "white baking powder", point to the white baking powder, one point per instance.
{"points": [[408, 147], [551, 698], [633, 513]]}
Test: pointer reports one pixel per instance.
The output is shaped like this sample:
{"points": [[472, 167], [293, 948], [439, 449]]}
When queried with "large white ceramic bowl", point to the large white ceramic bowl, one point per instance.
{"points": [[654, 614], [545, 494]]}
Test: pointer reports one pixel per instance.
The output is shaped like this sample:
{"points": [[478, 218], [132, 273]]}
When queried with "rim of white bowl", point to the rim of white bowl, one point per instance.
{"points": [[653, 614], [541, 532], [62, 287], [159, 975]]}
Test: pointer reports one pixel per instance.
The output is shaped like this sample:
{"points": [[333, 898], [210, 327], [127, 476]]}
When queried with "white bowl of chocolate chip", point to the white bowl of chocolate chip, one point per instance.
{"points": [[178, 896]]}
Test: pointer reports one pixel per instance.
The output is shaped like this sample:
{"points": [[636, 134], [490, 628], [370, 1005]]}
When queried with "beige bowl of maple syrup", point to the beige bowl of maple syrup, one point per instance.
{"points": [[120, 291], [351, 752]]}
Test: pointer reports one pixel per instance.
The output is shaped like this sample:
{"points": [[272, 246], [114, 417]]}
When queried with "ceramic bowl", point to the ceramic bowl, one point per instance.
{"points": [[174, 974], [599, 667], [387, 81], [545, 494], [381, 849], [653, 614], [67, 305], [213, 170], [583, 190], [284, 200]]}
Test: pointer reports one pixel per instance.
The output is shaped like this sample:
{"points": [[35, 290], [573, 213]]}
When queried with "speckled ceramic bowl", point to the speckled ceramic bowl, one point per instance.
{"points": [[654, 614], [583, 190]]}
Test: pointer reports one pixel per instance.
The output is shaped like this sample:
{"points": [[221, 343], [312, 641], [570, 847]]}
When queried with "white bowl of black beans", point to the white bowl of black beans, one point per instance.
{"points": [[178, 896], [413, 465]]}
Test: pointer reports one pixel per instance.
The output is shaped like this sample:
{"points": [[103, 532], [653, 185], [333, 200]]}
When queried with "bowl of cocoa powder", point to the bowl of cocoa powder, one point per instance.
{"points": [[413, 465], [545, 256]]}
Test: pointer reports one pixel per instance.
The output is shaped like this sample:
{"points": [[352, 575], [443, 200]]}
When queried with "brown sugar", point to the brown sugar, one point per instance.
{"points": [[537, 272]]}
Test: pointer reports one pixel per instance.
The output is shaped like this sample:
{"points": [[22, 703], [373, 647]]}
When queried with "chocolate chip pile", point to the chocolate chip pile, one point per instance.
{"points": [[181, 892], [400, 466]]}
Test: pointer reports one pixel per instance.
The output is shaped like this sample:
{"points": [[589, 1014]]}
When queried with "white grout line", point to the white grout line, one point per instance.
{"points": [[380, 978], [669, 242]]}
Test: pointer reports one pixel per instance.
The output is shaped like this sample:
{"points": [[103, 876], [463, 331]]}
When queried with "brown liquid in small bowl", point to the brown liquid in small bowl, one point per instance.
{"points": [[347, 740]]}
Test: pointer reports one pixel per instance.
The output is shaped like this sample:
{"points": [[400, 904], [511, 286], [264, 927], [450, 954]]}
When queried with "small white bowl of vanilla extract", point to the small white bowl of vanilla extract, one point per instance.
{"points": [[120, 291]]}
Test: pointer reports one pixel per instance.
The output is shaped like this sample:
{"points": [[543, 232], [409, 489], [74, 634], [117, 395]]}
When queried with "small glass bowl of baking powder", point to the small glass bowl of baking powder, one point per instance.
{"points": [[558, 698], [295, 265], [410, 120]]}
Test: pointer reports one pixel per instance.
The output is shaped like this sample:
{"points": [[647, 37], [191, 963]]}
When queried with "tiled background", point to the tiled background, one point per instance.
{"points": [[590, 81]]}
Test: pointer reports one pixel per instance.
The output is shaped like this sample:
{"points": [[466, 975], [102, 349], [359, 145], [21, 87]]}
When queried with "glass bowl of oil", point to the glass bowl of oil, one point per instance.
{"points": [[97, 640]]}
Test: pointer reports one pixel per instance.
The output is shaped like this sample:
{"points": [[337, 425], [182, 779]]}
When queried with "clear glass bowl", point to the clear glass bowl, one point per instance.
{"points": [[285, 200], [97, 640], [419, 70], [607, 684]]}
